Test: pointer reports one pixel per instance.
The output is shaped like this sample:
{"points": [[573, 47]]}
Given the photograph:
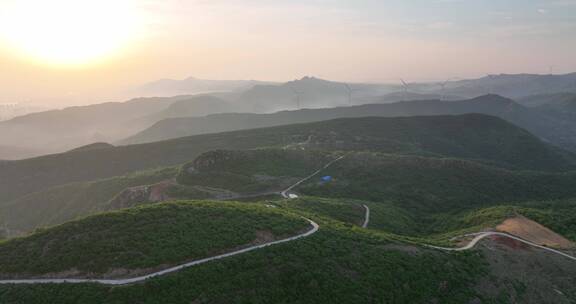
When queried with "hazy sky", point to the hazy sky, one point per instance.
{"points": [[351, 40]]}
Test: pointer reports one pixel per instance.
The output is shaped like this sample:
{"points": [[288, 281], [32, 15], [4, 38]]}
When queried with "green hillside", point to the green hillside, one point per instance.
{"points": [[137, 240], [432, 184], [410, 195], [416, 183], [424, 179], [341, 263], [59, 204], [330, 261], [472, 136], [252, 171], [400, 188]]}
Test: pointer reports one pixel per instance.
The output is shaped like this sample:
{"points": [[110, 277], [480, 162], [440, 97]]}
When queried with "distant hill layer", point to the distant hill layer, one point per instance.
{"points": [[472, 136], [11, 153], [551, 128], [557, 99], [513, 85], [61, 130], [192, 85]]}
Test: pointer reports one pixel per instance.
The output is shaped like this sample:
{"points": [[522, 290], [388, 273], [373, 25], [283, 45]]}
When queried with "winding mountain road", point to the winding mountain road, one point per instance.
{"points": [[481, 235], [366, 216], [314, 229], [285, 193]]}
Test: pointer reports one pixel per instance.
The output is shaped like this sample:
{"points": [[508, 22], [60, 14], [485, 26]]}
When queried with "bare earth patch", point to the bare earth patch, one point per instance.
{"points": [[263, 236], [534, 232]]}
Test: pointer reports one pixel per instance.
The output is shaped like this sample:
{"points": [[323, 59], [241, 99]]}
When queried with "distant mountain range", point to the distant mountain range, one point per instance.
{"points": [[192, 85], [62, 130], [549, 127], [309, 92], [508, 85]]}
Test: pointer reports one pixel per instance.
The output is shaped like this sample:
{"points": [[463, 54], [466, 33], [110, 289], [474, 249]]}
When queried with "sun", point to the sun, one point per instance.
{"points": [[68, 32]]}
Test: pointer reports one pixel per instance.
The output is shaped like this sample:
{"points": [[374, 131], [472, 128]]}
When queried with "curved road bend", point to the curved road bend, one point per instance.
{"points": [[366, 217], [285, 194], [314, 229], [481, 235]]}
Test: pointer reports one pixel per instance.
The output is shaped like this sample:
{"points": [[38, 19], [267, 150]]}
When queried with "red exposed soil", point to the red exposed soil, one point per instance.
{"points": [[532, 231], [508, 242]]}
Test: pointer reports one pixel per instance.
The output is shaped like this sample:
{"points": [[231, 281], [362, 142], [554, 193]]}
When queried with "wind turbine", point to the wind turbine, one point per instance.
{"points": [[443, 86], [405, 85], [350, 91], [491, 83], [297, 96]]}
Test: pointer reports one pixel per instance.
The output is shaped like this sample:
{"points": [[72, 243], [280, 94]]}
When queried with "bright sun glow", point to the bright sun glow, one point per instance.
{"points": [[68, 32]]}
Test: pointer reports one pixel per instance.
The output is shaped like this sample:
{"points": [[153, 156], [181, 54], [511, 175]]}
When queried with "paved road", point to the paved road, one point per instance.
{"points": [[366, 217], [286, 194], [481, 235], [165, 271]]}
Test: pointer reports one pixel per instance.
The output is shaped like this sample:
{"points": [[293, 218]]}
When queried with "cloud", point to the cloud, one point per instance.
{"points": [[542, 11]]}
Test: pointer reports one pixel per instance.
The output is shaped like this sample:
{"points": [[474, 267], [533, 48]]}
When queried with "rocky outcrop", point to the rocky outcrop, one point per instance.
{"points": [[133, 196]]}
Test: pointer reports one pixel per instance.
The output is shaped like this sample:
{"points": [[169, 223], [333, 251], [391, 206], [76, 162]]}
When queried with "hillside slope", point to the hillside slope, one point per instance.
{"points": [[63, 203], [469, 136], [139, 240], [61, 130], [430, 185], [341, 263]]}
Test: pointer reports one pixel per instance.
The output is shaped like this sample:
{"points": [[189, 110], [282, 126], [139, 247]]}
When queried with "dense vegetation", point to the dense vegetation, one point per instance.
{"points": [[251, 171], [145, 237], [408, 194], [347, 212], [63, 203], [473, 136], [339, 264], [421, 184], [424, 179]]}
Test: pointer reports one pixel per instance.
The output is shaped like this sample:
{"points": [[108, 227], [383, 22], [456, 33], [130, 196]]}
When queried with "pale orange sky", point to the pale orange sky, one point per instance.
{"points": [[355, 40]]}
